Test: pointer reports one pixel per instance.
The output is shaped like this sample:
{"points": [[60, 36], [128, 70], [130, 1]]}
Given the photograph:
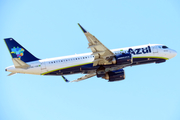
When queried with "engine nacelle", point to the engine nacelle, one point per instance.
{"points": [[115, 75], [123, 59]]}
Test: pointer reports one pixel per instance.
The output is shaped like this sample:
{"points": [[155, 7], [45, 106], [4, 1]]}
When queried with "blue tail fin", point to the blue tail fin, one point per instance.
{"points": [[18, 51]]}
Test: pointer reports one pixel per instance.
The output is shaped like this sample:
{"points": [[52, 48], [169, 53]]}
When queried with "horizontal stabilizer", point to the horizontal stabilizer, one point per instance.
{"points": [[11, 74], [19, 63]]}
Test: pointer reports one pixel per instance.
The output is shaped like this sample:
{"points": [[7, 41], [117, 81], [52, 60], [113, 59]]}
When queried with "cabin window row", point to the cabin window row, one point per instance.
{"points": [[72, 59]]}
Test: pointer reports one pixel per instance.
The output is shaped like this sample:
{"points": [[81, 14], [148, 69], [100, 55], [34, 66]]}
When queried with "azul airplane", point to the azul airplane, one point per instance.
{"points": [[102, 62]]}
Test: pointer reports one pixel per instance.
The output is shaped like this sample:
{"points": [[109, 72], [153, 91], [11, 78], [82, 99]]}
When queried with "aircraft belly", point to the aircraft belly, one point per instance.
{"points": [[139, 61], [65, 68], [36, 71], [73, 68]]}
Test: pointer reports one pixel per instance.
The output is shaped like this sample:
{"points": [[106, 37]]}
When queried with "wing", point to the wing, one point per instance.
{"points": [[81, 78], [102, 55]]}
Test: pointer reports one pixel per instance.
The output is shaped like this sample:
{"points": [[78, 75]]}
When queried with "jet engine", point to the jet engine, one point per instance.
{"points": [[123, 59], [115, 75], [120, 59]]}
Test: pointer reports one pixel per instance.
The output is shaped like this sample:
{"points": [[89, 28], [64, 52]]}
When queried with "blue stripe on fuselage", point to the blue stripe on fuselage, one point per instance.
{"points": [[88, 67]]}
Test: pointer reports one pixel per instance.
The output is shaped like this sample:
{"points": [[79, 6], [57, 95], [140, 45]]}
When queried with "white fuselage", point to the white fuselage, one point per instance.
{"points": [[44, 66]]}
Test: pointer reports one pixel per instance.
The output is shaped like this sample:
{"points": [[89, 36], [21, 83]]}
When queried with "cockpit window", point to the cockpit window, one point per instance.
{"points": [[164, 47]]}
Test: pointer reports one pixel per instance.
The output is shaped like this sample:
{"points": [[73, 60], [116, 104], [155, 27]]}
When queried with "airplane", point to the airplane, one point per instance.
{"points": [[101, 62]]}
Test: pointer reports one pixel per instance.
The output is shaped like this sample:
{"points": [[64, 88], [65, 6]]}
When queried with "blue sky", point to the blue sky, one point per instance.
{"points": [[49, 29]]}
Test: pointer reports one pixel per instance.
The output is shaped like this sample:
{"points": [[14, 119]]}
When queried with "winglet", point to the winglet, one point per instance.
{"points": [[82, 28], [65, 79]]}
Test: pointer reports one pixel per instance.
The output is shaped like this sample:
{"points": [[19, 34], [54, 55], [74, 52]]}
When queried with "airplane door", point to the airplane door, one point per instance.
{"points": [[43, 67], [155, 49]]}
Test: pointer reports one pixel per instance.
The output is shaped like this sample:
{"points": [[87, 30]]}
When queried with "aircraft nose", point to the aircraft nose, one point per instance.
{"points": [[174, 53]]}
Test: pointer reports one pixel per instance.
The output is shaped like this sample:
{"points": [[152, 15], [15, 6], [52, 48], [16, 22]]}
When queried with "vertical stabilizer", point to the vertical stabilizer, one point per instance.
{"points": [[18, 51]]}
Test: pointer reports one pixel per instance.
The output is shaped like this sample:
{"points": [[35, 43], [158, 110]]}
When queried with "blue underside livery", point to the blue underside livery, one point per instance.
{"points": [[90, 67], [102, 62]]}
